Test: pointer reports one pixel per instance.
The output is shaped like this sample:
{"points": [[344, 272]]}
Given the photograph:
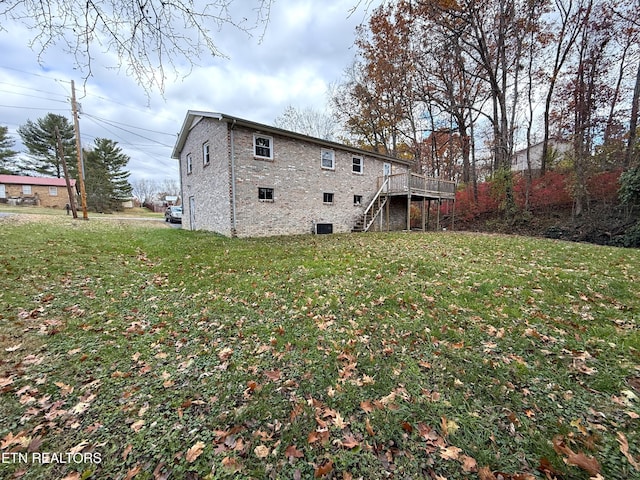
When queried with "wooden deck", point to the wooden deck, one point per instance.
{"points": [[418, 187]]}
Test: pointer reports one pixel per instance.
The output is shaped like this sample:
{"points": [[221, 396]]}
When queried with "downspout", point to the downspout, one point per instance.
{"points": [[233, 179]]}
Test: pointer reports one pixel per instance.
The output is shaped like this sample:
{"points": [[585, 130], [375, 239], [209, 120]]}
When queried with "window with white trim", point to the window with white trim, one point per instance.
{"points": [[189, 163], [206, 158], [53, 191], [263, 146], [265, 194], [328, 159], [26, 189], [358, 165], [327, 197], [357, 200]]}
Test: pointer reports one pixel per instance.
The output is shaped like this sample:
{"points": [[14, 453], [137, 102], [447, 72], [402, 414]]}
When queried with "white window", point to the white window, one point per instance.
{"points": [[53, 191], [189, 163], [358, 165], [205, 154], [386, 169], [327, 197], [328, 159], [263, 146], [26, 189]]}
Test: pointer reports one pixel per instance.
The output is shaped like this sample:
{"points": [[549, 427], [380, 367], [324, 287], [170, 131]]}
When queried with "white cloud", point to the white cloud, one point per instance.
{"points": [[305, 47]]}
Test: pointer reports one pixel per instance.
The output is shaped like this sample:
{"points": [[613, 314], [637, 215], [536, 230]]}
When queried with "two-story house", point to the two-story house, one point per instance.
{"points": [[241, 178]]}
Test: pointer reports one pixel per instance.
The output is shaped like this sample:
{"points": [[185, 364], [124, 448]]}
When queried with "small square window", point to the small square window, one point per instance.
{"points": [[26, 189], [265, 194], [189, 163], [327, 197], [53, 191], [206, 158], [328, 159], [357, 199], [358, 165], [263, 146]]}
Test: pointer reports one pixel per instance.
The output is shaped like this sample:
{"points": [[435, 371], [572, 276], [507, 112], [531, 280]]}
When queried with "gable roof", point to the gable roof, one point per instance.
{"points": [[46, 181], [194, 116]]}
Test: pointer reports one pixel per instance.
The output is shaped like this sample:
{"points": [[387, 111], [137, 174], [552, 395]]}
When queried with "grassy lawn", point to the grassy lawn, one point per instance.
{"points": [[127, 213], [129, 350]]}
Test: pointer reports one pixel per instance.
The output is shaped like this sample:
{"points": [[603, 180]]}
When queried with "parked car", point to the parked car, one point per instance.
{"points": [[173, 215]]}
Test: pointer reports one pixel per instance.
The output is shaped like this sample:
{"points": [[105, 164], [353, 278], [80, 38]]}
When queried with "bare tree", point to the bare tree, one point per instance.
{"points": [[307, 121], [147, 36], [145, 190]]}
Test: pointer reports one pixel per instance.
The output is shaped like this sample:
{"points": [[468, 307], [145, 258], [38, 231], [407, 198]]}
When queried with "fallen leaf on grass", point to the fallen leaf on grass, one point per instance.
{"points": [[261, 451], [127, 451], [136, 426], [580, 460], [469, 464], [350, 442], [231, 464], [624, 448], [14, 348], [450, 453], [133, 472], [4, 381], [292, 452], [273, 375], [195, 451], [323, 469]]}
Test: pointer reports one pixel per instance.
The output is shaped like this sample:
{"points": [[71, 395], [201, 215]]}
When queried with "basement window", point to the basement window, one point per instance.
{"points": [[357, 200], [265, 194], [327, 198]]}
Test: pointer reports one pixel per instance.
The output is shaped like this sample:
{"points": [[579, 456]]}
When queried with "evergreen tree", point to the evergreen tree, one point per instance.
{"points": [[6, 154], [40, 139], [106, 183]]}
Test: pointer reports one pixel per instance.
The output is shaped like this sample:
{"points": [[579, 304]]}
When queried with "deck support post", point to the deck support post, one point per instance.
{"points": [[409, 211]]}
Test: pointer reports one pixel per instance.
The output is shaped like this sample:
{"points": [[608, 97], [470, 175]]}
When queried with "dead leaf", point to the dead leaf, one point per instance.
{"points": [[231, 464], [450, 453], [273, 375], [72, 476], [367, 406], [292, 452], [133, 472], [580, 460], [469, 464], [4, 381], [323, 469], [485, 474], [127, 451], [225, 354], [368, 428], [350, 442], [624, 448], [136, 426], [261, 451], [13, 348], [195, 451]]}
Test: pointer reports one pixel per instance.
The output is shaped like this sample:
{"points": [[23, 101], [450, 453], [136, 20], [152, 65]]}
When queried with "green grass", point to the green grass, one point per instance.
{"points": [[373, 356]]}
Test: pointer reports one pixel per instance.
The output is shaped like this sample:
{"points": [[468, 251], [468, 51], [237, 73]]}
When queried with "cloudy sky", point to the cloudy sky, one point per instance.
{"points": [[306, 46]]}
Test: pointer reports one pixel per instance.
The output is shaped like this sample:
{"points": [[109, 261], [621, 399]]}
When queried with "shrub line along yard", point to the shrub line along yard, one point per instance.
{"points": [[133, 351]]}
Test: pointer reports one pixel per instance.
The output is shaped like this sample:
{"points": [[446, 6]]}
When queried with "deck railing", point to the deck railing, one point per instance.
{"points": [[421, 185]]}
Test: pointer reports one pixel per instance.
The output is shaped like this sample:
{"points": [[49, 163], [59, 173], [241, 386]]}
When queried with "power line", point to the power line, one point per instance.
{"points": [[112, 124]]}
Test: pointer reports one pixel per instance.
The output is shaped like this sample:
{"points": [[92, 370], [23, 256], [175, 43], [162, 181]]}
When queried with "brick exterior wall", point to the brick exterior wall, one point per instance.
{"points": [[40, 195], [207, 187], [294, 174]]}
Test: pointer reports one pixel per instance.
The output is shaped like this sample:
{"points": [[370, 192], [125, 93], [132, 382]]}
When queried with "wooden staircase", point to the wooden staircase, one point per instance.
{"points": [[374, 209]]}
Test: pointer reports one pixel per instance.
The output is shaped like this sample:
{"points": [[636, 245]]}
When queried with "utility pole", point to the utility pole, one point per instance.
{"points": [[72, 201], [76, 124]]}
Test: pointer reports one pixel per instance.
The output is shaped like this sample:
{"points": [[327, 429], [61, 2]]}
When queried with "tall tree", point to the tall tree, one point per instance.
{"points": [[7, 155], [40, 139], [147, 36], [107, 181], [307, 121]]}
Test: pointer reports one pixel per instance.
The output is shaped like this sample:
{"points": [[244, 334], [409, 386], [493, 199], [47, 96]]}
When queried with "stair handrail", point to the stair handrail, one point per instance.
{"points": [[375, 197]]}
